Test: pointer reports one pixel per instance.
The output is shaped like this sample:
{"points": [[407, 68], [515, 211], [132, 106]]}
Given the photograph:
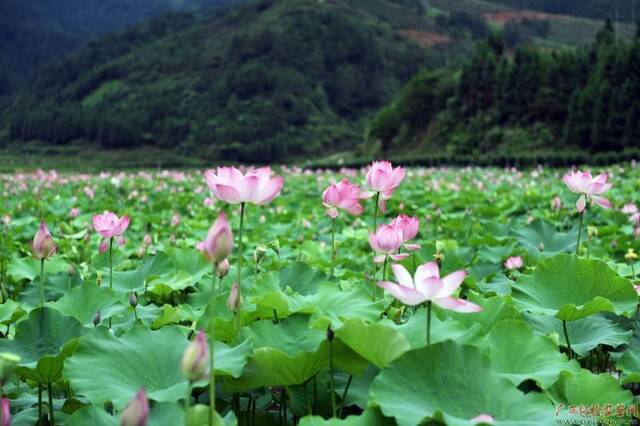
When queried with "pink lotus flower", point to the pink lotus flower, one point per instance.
{"points": [[109, 225], [6, 412], [483, 418], [74, 212], [43, 245], [219, 242], [583, 183], [629, 208], [136, 413], [514, 262], [387, 240], [409, 227], [426, 285], [222, 268], [256, 186], [235, 300], [384, 179], [342, 195], [195, 360], [556, 203], [146, 240]]}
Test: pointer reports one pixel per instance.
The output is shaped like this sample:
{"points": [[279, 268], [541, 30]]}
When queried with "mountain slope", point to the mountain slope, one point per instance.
{"points": [[35, 31], [264, 81]]}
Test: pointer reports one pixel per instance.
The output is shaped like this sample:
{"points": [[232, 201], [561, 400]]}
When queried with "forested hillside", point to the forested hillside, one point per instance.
{"points": [[528, 102], [623, 10], [268, 80], [33, 32]]}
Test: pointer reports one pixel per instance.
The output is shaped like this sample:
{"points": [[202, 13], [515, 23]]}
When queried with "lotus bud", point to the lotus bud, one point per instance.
{"points": [[439, 258], [6, 220], [219, 242], [175, 220], [136, 412], [330, 334], [6, 411], [146, 241], [275, 246], [439, 247], [259, 254], [592, 231], [195, 361], [96, 319], [235, 300], [222, 268], [133, 299], [43, 245], [630, 255], [71, 270], [541, 246]]}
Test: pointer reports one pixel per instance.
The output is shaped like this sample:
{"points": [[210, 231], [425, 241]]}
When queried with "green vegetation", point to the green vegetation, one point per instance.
{"points": [[535, 101]]}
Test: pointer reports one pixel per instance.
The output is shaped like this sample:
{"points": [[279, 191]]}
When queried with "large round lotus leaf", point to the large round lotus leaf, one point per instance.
{"points": [[452, 383], [377, 343], [108, 368], [571, 288], [629, 364], [85, 300], [542, 239], [92, 415], [163, 414], [331, 306], [584, 334], [494, 310], [28, 268], [301, 278], [126, 281], [588, 390], [517, 354], [370, 417], [10, 312], [42, 342], [290, 353], [415, 328]]}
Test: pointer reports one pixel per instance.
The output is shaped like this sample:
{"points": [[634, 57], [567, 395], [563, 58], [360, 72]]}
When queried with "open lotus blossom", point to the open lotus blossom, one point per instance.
{"points": [[629, 208], [136, 413], [592, 188], [109, 225], [219, 242], [257, 186], [409, 227], [382, 178], [195, 360], [387, 240], [342, 195], [43, 245], [514, 262], [483, 418], [426, 285]]}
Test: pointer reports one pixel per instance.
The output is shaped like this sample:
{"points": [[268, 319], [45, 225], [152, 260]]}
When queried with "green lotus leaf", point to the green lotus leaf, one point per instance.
{"points": [[415, 328], [541, 238], [108, 368], [571, 288], [377, 343], [301, 278], [11, 311], [126, 281], [517, 354], [584, 389], [332, 306], [28, 268], [370, 417], [426, 384], [584, 334], [42, 341], [85, 300], [92, 415], [629, 364]]}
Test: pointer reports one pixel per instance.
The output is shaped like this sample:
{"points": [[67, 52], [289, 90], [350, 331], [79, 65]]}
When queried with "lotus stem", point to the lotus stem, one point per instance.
{"points": [[344, 395], [375, 226], [51, 410], [566, 338], [580, 231], [41, 282], [212, 382], [39, 402], [332, 385], [428, 322], [110, 268], [333, 246], [239, 311]]}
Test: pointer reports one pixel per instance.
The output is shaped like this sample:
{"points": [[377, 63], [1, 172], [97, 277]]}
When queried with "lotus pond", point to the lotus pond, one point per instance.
{"points": [[379, 296]]}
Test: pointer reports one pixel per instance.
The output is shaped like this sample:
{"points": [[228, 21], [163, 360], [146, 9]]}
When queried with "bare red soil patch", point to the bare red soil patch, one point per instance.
{"points": [[426, 38], [504, 16]]}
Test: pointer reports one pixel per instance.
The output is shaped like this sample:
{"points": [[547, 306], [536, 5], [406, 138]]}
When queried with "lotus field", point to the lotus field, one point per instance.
{"points": [[381, 296]]}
